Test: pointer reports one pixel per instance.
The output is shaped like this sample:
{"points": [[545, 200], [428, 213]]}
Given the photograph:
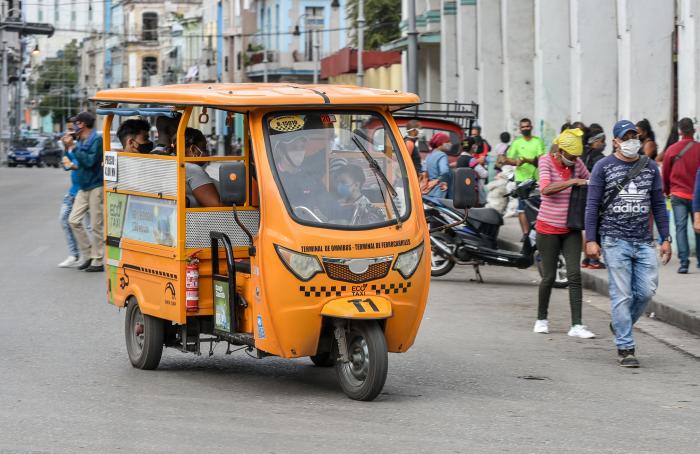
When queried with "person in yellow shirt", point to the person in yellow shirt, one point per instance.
{"points": [[523, 154]]}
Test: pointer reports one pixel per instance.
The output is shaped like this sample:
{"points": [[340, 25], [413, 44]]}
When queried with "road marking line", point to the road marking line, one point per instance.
{"points": [[38, 251]]}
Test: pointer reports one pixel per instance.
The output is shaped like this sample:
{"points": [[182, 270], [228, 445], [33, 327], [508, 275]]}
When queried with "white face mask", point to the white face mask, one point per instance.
{"points": [[629, 148]]}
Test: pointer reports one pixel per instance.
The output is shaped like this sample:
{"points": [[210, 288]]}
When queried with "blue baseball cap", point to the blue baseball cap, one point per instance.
{"points": [[622, 127]]}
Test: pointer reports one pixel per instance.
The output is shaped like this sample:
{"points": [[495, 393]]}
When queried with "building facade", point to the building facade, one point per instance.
{"points": [[560, 60]]}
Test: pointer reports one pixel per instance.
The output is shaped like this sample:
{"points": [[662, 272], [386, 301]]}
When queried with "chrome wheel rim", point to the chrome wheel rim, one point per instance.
{"points": [[138, 331], [356, 369]]}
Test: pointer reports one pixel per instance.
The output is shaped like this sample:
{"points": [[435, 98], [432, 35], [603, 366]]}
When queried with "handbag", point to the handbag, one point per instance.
{"points": [[576, 215]]}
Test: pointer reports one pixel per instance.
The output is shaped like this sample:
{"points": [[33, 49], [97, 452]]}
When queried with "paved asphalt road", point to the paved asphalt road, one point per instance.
{"points": [[467, 385]]}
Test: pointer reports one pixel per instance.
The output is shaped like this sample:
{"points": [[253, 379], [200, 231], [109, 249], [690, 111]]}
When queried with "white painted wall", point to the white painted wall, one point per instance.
{"points": [[449, 56], [594, 62], [465, 45], [688, 59], [490, 69], [552, 67], [645, 85], [518, 18]]}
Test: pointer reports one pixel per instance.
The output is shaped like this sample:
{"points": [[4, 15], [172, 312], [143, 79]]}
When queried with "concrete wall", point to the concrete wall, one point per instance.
{"points": [[594, 63], [645, 82], [466, 49], [552, 67], [688, 59], [490, 68], [449, 53], [518, 25]]}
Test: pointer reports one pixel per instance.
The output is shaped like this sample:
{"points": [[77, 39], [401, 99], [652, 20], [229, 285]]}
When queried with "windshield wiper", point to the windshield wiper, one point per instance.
{"points": [[374, 165]]}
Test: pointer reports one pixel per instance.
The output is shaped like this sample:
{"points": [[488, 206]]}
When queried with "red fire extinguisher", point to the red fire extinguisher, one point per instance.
{"points": [[192, 284]]}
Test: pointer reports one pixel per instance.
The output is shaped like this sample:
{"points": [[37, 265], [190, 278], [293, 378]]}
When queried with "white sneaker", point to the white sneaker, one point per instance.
{"points": [[581, 331], [541, 326], [69, 262]]}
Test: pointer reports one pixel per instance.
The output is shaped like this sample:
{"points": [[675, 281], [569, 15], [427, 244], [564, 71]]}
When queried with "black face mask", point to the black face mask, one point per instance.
{"points": [[145, 147], [526, 132]]}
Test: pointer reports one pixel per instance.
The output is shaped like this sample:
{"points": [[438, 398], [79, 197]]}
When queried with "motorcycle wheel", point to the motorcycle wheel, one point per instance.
{"points": [[560, 281], [439, 265]]}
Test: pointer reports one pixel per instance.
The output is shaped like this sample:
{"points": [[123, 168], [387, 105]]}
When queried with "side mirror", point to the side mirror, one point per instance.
{"points": [[464, 188], [232, 178]]}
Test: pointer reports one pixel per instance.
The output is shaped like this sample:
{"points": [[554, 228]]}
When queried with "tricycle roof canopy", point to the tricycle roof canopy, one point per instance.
{"points": [[258, 95]]}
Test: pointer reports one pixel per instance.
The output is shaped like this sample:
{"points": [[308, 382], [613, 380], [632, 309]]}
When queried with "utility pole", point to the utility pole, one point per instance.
{"points": [[3, 101], [317, 51], [412, 67], [264, 62], [18, 104], [360, 42]]}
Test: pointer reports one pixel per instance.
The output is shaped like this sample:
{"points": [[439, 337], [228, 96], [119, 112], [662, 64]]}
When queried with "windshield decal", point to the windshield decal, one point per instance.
{"points": [[287, 123]]}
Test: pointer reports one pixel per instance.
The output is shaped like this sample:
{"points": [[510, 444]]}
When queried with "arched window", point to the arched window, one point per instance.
{"points": [[149, 27]]}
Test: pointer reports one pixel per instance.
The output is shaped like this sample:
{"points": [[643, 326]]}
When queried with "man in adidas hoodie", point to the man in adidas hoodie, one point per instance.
{"points": [[623, 220]]}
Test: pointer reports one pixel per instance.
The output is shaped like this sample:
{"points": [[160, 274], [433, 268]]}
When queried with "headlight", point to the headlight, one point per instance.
{"points": [[303, 266], [407, 262], [11, 154]]}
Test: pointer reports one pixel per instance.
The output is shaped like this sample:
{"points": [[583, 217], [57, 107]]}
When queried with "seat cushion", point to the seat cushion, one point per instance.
{"points": [[485, 215]]}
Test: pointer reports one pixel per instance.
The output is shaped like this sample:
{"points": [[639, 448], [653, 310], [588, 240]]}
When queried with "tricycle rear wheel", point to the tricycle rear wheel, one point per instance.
{"points": [[364, 375], [144, 337]]}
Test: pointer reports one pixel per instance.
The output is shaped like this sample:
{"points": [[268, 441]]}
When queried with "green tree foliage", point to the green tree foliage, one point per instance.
{"points": [[57, 82], [382, 21]]}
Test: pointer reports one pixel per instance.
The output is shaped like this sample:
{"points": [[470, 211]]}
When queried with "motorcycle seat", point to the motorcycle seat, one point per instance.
{"points": [[485, 215]]}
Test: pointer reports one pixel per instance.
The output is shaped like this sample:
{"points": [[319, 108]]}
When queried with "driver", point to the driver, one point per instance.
{"points": [[301, 162]]}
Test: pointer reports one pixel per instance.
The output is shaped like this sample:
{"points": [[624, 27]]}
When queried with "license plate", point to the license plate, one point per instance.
{"points": [[20, 159]]}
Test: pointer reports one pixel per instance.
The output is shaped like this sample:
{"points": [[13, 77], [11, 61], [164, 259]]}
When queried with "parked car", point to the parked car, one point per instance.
{"points": [[34, 151]]}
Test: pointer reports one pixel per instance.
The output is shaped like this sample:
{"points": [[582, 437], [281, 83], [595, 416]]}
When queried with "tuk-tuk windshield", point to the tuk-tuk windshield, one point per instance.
{"points": [[332, 172]]}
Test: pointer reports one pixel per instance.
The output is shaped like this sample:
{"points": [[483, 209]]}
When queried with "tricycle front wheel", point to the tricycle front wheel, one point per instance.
{"points": [[363, 376], [144, 337]]}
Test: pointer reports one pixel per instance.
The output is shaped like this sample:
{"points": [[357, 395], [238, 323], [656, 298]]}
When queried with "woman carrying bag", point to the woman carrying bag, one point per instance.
{"points": [[559, 229]]}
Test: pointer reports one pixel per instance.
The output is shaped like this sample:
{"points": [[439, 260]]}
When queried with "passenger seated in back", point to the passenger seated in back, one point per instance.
{"points": [[201, 190], [133, 135], [167, 132]]}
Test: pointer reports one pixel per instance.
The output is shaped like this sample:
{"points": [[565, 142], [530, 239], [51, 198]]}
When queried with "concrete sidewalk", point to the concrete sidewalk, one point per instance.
{"points": [[677, 300]]}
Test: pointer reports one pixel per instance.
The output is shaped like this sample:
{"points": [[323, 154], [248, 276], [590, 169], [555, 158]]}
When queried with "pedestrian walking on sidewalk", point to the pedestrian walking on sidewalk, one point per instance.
{"points": [[625, 189], [559, 172], [524, 153], [89, 199], [648, 139], [681, 163], [696, 203]]}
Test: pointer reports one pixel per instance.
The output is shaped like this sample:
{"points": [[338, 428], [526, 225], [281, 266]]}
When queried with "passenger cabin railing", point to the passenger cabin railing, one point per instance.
{"points": [[147, 193]]}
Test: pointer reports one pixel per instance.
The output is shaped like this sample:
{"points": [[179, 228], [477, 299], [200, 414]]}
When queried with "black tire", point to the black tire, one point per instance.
{"points": [[363, 377], [439, 265], [326, 359], [145, 347], [561, 281], [11, 165]]}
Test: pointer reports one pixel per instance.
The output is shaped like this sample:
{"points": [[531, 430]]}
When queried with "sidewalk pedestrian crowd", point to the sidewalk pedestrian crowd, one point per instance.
{"points": [[615, 206]]}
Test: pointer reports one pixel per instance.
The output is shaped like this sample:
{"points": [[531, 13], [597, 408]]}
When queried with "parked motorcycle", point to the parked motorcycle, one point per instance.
{"points": [[474, 240]]}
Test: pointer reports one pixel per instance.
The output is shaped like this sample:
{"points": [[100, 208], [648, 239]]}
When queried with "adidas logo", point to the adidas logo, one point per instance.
{"points": [[632, 194]]}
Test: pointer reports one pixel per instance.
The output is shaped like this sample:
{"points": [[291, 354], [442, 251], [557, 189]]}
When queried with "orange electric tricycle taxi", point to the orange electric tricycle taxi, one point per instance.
{"points": [[309, 241]]}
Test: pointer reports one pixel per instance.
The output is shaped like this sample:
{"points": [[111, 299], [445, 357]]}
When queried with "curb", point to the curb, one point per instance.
{"points": [[662, 311]]}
